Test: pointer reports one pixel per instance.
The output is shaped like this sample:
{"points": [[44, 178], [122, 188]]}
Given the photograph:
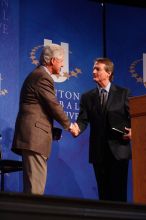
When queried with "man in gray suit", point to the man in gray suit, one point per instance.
{"points": [[106, 109], [38, 108]]}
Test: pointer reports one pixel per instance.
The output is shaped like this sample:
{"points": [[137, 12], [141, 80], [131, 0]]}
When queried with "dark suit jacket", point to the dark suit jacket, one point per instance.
{"points": [[116, 115], [37, 109]]}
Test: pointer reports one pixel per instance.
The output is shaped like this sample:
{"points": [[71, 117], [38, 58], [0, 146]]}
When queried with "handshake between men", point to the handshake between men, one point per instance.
{"points": [[74, 129]]}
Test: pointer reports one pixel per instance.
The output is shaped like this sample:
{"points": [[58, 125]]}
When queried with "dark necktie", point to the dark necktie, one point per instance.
{"points": [[103, 98]]}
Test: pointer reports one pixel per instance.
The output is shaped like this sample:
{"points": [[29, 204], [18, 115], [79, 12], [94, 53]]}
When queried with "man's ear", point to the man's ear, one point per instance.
{"points": [[52, 60], [109, 73]]}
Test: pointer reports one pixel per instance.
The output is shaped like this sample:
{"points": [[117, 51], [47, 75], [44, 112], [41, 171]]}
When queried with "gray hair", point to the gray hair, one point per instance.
{"points": [[51, 51]]}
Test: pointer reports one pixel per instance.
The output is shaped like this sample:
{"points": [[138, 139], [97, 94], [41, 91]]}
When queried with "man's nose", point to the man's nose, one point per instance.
{"points": [[62, 64]]}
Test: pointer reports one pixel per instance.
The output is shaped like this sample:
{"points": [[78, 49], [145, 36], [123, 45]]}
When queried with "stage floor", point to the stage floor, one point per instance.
{"points": [[17, 206]]}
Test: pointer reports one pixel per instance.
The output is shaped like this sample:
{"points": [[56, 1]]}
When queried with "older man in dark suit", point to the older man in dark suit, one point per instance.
{"points": [[106, 109], [34, 124]]}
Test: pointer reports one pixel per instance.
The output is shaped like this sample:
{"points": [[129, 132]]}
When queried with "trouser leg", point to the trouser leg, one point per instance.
{"points": [[34, 172], [111, 177]]}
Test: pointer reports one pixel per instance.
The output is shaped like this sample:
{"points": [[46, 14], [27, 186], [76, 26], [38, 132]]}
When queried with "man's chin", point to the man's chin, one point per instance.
{"points": [[95, 80], [55, 73]]}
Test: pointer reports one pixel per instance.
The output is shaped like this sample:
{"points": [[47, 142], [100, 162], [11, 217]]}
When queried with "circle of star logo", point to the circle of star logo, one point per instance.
{"points": [[134, 73]]}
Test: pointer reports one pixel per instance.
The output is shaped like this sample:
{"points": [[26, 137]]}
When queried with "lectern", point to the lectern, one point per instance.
{"points": [[138, 124]]}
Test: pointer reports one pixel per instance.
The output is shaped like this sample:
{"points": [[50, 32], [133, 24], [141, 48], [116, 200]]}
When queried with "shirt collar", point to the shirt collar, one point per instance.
{"points": [[46, 69], [107, 88]]}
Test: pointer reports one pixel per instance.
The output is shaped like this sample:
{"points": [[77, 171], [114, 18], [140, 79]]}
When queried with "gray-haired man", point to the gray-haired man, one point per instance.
{"points": [[38, 108]]}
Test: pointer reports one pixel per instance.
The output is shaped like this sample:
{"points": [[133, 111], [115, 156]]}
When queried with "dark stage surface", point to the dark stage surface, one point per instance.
{"points": [[16, 206]]}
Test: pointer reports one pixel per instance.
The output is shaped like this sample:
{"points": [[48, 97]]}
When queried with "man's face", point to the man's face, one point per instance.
{"points": [[100, 75], [57, 64]]}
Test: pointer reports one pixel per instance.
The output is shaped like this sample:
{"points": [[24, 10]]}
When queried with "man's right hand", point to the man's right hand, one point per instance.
{"points": [[74, 129]]}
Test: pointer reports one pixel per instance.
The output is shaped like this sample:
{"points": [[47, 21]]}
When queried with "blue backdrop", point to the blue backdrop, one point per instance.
{"points": [[9, 80], [24, 27]]}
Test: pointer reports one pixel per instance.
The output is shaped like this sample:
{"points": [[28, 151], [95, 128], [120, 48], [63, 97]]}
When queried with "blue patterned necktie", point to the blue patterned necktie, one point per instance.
{"points": [[103, 98]]}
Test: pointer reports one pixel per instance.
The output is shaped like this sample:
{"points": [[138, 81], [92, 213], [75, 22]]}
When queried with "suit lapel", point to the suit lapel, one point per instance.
{"points": [[111, 96], [96, 100]]}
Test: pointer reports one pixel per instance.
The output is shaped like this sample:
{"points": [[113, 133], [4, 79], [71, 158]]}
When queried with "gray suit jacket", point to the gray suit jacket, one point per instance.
{"points": [[101, 134], [38, 108]]}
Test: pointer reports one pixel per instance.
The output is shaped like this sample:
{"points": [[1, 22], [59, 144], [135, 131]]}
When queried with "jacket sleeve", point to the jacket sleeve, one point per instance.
{"points": [[82, 119], [46, 95], [127, 109]]}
